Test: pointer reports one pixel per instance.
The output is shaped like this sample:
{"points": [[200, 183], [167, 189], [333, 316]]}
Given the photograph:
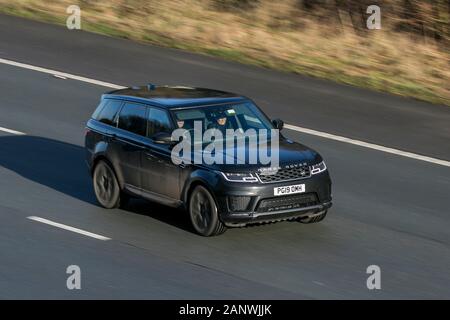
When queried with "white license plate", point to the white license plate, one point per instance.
{"points": [[285, 190]]}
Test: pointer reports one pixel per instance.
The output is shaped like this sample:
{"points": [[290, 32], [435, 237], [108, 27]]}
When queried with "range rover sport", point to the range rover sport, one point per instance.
{"points": [[129, 146]]}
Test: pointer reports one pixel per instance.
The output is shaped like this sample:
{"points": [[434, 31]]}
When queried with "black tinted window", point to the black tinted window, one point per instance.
{"points": [[158, 121], [109, 111], [132, 118], [99, 109]]}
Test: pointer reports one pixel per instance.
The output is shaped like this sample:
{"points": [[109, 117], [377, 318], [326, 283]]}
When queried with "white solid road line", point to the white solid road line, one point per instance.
{"points": [[59, 74], [11, 131], [369, 145], [287, 126], [69, 228]]}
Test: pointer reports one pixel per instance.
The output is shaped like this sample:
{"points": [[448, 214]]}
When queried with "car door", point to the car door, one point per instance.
{"points": [[128, 142], [160, 177]]}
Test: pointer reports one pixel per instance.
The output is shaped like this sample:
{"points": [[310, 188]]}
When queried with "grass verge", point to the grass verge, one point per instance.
{"points": [[382, 60]]}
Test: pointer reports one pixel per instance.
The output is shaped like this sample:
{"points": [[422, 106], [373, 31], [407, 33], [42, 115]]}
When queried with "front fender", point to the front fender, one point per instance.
{"points": [[207, 178]]}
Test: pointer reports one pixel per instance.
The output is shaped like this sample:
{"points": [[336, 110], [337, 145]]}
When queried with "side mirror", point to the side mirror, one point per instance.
{"points": [[163, 138], [278, 124]]}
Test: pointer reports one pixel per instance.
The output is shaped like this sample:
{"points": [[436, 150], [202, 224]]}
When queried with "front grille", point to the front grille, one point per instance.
{"points": [[285, 174], [239, 203], [287, 202]]}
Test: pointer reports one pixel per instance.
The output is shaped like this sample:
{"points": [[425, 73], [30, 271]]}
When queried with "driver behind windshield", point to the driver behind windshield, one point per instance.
{"points": [[220, 122], [180, 124]]}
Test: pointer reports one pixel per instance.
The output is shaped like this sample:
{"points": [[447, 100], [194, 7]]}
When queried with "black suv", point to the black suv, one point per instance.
{"points": [[129, 149]]}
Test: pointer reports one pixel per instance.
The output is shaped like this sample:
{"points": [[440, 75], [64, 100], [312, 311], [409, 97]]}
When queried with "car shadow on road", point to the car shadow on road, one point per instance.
{"points": [[61, 166]]}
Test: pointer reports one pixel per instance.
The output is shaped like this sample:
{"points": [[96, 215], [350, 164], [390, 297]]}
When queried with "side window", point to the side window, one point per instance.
{"points": [[132, 118], [158, 121], [109, 112], [99, 109]]}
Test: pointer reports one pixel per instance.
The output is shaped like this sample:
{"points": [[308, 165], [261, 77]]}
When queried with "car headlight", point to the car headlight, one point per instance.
{"points": [[318, 168], [239, 177]]}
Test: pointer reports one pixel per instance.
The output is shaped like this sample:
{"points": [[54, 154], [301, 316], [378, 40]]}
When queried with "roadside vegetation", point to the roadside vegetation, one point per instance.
{"points": [[409, 55]]}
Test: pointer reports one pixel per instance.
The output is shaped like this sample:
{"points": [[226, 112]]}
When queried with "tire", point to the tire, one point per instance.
{"points": [[106, 186], [313, 219], [203, 213]]}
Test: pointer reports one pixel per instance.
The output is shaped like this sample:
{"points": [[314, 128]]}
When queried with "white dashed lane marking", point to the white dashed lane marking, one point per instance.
{"points": [[69, 228]]}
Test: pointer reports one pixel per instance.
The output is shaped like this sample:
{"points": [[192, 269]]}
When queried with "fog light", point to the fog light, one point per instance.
{"points": [[239, 203]]}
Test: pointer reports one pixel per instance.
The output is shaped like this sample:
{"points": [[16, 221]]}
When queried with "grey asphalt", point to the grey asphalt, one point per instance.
{"points": [[388, 210]]}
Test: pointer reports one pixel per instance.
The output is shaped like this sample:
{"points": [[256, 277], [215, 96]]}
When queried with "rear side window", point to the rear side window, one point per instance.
{"points": [[133, 118], [158, 121], [108, 112], [99, 109]]}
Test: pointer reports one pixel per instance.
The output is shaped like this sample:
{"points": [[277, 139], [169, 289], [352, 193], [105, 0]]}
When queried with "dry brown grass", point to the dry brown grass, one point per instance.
{"points": [[272, 34]]}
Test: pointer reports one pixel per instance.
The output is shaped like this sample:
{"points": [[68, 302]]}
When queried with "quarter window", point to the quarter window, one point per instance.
{"points": [[99, 109], [132, 118], [109, 112]]}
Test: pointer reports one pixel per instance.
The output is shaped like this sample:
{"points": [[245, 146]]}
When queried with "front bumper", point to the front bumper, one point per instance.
{"points": [[284, 207], [239, 219]]}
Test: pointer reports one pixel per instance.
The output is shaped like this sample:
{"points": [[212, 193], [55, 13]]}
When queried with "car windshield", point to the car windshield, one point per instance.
{"points": [[241, 117]]}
